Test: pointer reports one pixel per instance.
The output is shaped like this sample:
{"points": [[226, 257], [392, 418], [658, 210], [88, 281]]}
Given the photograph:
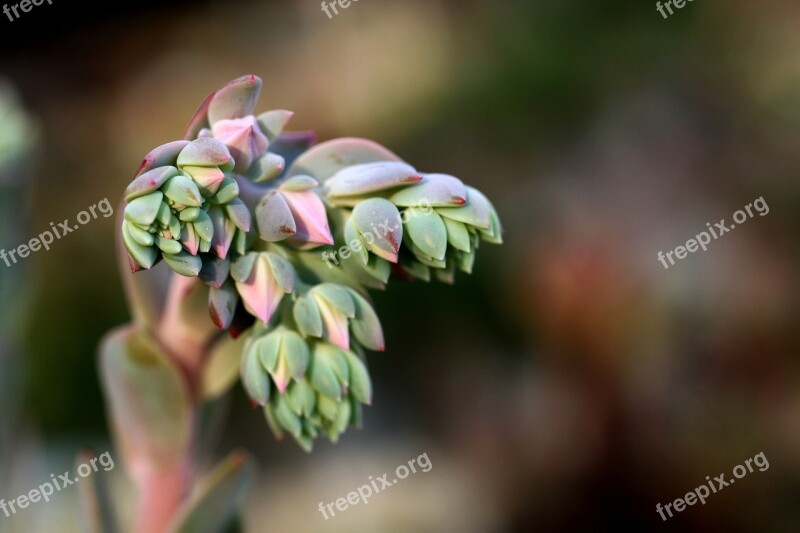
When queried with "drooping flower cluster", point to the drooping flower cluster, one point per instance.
{"points": [[252, 212]]}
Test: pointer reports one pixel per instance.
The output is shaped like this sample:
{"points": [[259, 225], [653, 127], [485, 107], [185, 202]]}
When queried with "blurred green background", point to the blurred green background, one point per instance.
{"points": [[572, 383]]}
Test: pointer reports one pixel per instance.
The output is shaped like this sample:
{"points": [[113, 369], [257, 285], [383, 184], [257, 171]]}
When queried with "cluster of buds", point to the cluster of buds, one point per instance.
{"points": [[185, 208], [443, 219], [247, 209]]}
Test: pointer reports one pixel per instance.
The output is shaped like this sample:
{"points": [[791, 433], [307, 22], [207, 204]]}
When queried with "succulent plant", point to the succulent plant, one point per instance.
{"points": [[281, 239]]}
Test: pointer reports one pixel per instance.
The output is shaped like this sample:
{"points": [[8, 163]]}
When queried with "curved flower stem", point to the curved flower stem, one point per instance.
{"points": [[161, 494]]}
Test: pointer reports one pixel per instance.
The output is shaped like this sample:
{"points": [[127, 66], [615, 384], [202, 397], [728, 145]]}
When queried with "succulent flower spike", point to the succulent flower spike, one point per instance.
{"points": [[258, 214], [178, 210]]}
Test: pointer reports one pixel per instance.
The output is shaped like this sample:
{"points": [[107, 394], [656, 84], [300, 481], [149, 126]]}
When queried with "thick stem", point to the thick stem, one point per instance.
{"points": [[161, 493], [185, 336], [185, 328]]}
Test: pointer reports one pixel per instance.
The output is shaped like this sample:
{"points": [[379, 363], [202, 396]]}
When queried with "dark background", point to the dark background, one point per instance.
{"points": [[572, 382]]}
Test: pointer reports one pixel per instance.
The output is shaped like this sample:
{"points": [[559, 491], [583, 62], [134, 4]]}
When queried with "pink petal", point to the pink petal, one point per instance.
{"points": [[309, 217], [334, 323], [224, 231], [244, 138], [189, 239], [261, 293], [207, 178]]}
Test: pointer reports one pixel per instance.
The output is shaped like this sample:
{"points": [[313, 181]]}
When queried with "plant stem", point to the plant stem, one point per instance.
{"points": [[161, 494]]}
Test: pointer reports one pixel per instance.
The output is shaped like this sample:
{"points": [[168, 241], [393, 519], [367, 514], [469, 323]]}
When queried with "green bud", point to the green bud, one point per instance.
{"points": [[338, 296], [254, 378], [306, 314], [242, 266], [238, 212], [228, 191], [143, 210], [145, 256], [428, 232], [283, 271], [365, 324], [457, 235], [149, 182], [183, 190], [168, 246], [476, 212], [143, 237], [360, 383], [416, 269], [437, 190], [215, 271], [190, 214], [222, 304], [299, 183], [323, 372], [184, 264], [203, 226], [274, 219], [371, 217], [273, 122], [266, 168], [287, 419], [295, 350]]}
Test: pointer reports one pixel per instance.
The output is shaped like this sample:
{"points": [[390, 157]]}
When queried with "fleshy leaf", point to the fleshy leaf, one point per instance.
{"points": [[360, 383], [236, 99], [267, 167], [366, 326], [310, 218], [457, 234], [273, 122], [378, 221], [164, 155], [306, 314], [184, 264], [222, 304], [476, 212], [326, 159], [213, 503], [255, 378], [427, 231], [371, 177], [437, 190], [143, 210], [274, 219], [149, 402], [149, 181], [206, 152]]}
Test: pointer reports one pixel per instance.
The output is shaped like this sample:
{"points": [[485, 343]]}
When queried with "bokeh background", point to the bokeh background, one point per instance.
{"points": [[572, 383]]}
